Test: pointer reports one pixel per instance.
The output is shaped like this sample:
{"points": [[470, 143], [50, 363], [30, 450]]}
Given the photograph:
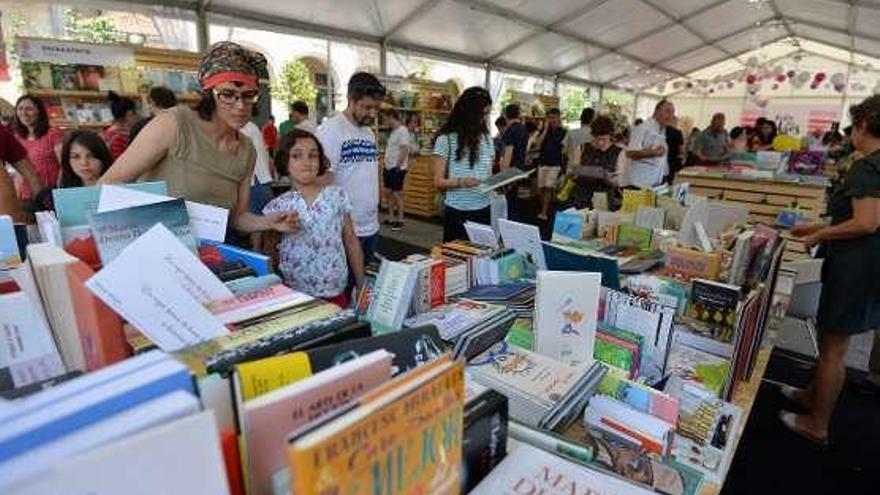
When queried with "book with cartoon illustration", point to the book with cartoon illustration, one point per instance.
{"points": [[566, 309]]}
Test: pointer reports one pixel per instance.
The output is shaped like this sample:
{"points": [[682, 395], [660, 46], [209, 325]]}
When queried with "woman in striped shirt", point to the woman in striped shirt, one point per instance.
{"points": [[463, 154]]}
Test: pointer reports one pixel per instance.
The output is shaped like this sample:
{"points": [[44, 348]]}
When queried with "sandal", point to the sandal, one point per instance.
{"points": [[789, 419], [791, 394]]}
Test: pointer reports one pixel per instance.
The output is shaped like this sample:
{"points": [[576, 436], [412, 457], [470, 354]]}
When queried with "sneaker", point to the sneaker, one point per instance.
{"points": [[396, 226]]}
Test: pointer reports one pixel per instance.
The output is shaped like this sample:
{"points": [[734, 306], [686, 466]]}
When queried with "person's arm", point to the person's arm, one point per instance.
{"points": [[574, 158], [403, 155], [637, 151], [151, 145], [506, 157], [865, 221], [245, 221], [353, 250], [443, 183], [27, 170]]}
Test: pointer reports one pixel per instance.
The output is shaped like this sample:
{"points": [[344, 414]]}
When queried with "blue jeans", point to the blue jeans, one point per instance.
{"points": [[368, 246], [261, 194]]}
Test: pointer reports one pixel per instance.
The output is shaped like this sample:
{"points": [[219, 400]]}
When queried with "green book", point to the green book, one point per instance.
{"points": [[630, 234], [521, 335]]}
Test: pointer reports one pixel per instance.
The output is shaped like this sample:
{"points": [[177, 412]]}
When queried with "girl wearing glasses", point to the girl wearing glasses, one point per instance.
{"points": [[199, 151]]}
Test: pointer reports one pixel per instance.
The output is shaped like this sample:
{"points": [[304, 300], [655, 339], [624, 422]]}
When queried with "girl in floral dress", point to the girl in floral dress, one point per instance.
{"points": [[315, 259]]}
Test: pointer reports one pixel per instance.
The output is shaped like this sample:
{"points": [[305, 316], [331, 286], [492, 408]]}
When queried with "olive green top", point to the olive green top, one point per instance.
{"points": [[194, 169]]}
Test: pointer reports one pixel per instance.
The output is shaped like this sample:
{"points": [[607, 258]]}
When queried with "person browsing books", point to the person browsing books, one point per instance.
{"points": [[397, 152], [850, 299], [316, 258], [124, 117], [199, 152], [597, 171], [463, 155]]}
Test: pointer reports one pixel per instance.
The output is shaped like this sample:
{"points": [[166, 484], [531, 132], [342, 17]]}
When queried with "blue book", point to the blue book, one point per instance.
{"points": [[115, 230], [569, 224], [9, 253], [91, 406], [258, 261], [565, 260]]}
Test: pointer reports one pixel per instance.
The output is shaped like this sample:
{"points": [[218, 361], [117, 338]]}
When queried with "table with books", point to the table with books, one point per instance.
{"points": [[466, 370]]}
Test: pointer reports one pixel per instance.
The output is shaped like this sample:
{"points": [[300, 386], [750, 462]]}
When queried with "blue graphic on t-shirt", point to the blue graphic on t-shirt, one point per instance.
{"points": [[355, 151]]}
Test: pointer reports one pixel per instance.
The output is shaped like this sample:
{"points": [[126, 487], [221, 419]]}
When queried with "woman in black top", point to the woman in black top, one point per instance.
{"points": [[597, 170], [850, 300]]}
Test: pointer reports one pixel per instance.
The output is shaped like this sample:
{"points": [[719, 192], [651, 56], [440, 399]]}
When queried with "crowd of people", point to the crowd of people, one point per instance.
{"points": [[214, 153]]}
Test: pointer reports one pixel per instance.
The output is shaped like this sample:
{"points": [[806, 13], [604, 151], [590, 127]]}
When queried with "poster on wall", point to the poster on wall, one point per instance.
{"points": [[794, 118], [70, 52], [821, 120]]}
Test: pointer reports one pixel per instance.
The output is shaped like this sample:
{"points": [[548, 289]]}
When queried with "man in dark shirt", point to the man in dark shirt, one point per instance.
{"points": [[13, 153], [551, 163], [516, 143], [674, 150]]}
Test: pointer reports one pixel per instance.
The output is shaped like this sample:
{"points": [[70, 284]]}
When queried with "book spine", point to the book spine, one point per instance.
{"points": [[438, 284]]}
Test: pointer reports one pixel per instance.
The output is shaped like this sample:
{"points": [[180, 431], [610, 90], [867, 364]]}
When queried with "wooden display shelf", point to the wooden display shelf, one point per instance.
{"points": [[98, 95], [416, 110], [419, 193], [763, 198]]}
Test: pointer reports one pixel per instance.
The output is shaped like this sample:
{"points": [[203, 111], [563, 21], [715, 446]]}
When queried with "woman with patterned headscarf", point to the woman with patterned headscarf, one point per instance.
{"points": [[199, 151]]}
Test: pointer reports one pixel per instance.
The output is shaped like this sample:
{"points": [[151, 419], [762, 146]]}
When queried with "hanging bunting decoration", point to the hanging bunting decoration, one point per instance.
{"points": [[791, 74]]}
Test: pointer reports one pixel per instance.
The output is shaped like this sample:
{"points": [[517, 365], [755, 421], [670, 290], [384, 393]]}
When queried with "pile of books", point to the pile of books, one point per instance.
{"points": [[482, 265], [519, 297], [541, 391], [470, 326]]}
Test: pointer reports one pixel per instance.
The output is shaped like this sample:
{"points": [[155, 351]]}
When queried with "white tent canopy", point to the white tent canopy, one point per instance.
{"points": [[631, 44]]}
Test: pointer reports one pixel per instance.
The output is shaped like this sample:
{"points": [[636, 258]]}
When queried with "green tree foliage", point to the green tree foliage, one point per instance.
{"points": [[574, 103], [295, 83], [90, 29]]}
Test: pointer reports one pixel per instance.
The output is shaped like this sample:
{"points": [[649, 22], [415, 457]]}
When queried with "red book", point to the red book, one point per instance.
{"points": [[438, 283], [232, 461], [99, 327]]}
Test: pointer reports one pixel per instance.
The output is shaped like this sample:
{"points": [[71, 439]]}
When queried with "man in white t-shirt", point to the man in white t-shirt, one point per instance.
{"points": [[261, 181], [350, 145], [647, 148], [397, 153]]}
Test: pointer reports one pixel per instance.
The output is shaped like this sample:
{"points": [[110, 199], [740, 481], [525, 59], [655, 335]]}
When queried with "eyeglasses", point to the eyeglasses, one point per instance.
{"points": [[229, 97]]}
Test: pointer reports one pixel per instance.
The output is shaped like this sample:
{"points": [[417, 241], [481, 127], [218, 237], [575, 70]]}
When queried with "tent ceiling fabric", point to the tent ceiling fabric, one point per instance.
{"points": [[628, 43]]}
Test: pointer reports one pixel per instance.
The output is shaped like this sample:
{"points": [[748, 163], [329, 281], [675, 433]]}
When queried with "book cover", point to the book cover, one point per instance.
{"points": [[267, 420], [485, 436], [254, 304], [566, 309], [74, 205], [392, 295], [414, 443], [686, 264], [569, 224], [9, 252], [411, 347], [64, 77], [528, 470], [36, 75], [650, 217], [477, 341], [606, 413], [629, 234], [715, 305], [258, 261], [503, 178], [100, 328], [535, 375], [29, 354], [455, 318], [640, 397], [619, 354], [261, 376], [561, 258], [195, 467], [698, 367], [88, 77], [115, 230]]}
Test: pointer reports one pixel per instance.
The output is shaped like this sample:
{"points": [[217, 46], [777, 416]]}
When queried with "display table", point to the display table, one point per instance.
{"points": [[744, 396], [764, 198]]}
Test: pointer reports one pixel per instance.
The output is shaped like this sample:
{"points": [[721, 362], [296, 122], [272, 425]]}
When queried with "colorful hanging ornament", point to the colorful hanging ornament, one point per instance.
{"points": [[791, 74], [819, 77], [780, 78], [751, 79]]}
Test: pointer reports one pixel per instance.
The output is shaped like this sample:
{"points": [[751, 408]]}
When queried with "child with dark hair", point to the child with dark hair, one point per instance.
{"points": [[316, 258], [84, 159], [124, 117]]}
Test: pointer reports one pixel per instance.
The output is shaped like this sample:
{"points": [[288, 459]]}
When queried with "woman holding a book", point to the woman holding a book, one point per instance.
{"points": [[199, 152], [850, 300], [463, 155]]}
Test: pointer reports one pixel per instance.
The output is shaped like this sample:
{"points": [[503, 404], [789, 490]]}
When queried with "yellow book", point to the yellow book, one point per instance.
{"points": [[405, 441], [256, 378], [633, 198]]}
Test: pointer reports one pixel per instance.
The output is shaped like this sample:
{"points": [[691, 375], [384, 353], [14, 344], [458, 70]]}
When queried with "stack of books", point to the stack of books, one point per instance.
{"points": [[541, 391], [430, 290], [89, 434], [470, 326], [518, 297], [605, 414]]}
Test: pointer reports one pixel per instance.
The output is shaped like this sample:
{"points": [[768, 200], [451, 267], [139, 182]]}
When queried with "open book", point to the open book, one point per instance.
{"points": [[504, 178]]}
